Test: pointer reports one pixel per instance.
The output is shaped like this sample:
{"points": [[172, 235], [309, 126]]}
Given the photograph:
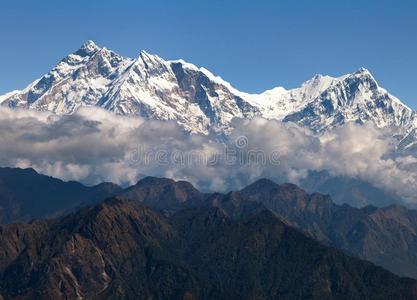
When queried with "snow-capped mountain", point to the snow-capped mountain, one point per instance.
{"points": [[355, 97], [79, 79], [154, 88]]}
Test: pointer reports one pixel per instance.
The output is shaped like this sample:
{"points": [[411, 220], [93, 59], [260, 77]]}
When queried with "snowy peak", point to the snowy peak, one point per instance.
{"points": [[146, 58], [363, 72], [87, 49], [357, 98], [79, 79], [364, 80], [278, 102]]}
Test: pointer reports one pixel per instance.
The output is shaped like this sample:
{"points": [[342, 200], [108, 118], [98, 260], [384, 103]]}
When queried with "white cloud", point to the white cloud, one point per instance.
{"points": [[94, 145]]}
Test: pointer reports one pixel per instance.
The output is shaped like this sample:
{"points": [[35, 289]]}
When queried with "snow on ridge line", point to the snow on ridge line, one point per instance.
{"points": [[90, 44]]}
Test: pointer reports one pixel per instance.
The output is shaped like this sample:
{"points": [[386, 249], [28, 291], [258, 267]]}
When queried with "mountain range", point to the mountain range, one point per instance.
{"points": [[201, 102], [385, 236], [122, 249]]}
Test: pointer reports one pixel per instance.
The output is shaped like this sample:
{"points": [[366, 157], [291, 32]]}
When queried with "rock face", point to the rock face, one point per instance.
{"points": [[124, 250], [200, 102]]}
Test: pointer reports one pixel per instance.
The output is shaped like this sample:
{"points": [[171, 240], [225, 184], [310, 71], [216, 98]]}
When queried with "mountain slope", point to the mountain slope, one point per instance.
{"points": [[386, 236], [135, 253]]}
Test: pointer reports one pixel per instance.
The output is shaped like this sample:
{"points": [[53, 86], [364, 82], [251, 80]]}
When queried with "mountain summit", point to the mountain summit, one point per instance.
{"points": [[199, 101]]}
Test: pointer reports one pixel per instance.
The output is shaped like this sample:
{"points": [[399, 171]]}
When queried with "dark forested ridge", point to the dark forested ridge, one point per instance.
{"points": [[122, 249], [164, 239]]}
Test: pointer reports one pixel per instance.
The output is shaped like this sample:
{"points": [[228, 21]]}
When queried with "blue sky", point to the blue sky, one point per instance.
{"points": [[255, 45]]}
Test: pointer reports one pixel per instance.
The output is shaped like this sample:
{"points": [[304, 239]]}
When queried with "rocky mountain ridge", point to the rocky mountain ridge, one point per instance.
{"points": [[134, 252]]}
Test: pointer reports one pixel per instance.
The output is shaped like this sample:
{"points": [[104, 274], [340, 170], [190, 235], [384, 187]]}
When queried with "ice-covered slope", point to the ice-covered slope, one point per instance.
{"points": [[154, 88]]}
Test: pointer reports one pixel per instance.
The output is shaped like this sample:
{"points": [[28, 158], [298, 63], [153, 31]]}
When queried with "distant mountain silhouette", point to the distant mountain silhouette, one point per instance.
{"points": [[25, 194], [352, 191]]}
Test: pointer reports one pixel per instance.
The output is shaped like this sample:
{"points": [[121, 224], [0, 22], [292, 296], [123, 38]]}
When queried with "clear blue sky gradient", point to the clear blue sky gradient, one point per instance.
{"points": [[255, 45]]}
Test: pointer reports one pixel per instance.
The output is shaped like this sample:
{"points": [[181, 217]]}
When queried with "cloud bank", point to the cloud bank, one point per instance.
{"points": [[94, 145]]}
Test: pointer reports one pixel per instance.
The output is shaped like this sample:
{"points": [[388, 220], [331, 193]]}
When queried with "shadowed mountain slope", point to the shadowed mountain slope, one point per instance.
{"points": [[201, 253]]}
